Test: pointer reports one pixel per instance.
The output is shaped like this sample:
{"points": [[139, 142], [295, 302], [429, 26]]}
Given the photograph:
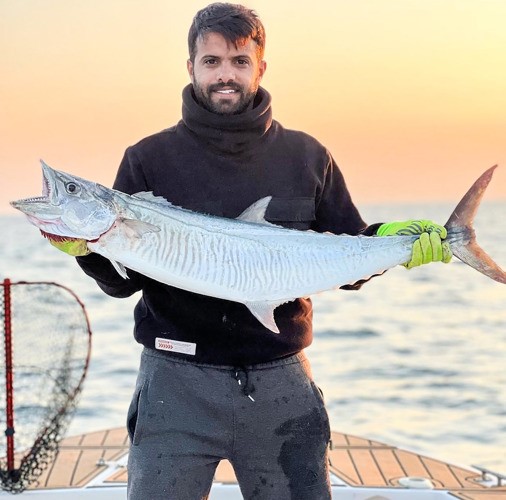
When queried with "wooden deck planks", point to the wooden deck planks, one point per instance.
{"points": [[381, 465], [412, 464], [78, 458], [120, 476], [61, 472], [367, 469], [448, 475], [86, 467], [343, 466], [389, 464]]}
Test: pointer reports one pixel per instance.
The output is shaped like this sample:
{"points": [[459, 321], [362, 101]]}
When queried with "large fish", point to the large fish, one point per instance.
{"points": [[247, 259]]}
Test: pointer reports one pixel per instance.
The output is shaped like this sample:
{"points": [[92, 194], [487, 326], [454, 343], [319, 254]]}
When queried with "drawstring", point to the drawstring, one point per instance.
{"points": [[241, 375]]}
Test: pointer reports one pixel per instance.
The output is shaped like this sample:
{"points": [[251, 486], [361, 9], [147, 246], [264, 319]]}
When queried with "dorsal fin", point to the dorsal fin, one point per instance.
{"points": [[149, 196], [256, 211]]}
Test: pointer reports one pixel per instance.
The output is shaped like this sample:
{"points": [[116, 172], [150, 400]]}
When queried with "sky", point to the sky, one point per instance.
{"points": [[409, 96]]}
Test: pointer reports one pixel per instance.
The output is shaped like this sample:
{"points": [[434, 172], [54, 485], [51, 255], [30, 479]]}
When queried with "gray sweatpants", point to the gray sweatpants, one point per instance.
{"points": [[268, 420]]}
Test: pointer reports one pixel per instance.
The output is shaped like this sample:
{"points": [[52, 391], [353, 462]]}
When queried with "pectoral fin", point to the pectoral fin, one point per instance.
{"points": [[137, 228], [264, 312], [120, 268]]}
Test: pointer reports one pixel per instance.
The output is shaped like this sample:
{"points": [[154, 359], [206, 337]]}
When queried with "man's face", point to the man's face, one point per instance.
{"points": [[225, 78]]}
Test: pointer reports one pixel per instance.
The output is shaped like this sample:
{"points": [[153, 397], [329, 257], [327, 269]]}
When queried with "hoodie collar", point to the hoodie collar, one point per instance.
{"points": [[228, 134]]}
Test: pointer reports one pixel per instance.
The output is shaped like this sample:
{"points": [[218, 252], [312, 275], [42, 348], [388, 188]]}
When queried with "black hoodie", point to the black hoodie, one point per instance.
{"points": [[219, 165]]}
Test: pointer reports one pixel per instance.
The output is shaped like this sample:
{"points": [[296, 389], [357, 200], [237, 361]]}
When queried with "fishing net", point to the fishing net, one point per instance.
{"points": [[46, 341]]}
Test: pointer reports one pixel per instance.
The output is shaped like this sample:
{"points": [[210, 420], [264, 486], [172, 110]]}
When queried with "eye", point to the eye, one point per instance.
{"points": [[71, 188]]}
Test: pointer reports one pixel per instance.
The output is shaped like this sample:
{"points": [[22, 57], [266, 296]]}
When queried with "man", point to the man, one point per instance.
{"points": [[230, 388]]}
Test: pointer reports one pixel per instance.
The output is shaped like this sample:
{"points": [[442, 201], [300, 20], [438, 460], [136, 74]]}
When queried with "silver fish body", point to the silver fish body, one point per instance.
{"points": [[246, 260]]}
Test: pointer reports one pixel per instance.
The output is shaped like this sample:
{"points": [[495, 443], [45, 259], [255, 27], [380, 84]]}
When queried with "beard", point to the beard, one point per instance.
{"points": [[225, 106]]}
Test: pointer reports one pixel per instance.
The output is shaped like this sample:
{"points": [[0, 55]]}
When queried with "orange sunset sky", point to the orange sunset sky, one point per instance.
{"points": [[408, 95]]}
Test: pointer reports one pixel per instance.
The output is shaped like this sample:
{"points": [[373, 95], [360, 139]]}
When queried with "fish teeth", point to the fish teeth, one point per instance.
{"points": [[35, 199], [46, 187]]}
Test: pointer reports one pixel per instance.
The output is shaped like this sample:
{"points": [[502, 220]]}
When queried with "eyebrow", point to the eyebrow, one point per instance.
{"points": [[239, 56]]}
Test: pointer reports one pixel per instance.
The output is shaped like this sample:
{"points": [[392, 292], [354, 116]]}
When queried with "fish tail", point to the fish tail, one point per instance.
{"points": [[461, 234]]}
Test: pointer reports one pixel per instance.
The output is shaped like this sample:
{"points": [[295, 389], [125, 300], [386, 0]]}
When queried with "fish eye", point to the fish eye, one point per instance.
{"points": [[71, 187]]}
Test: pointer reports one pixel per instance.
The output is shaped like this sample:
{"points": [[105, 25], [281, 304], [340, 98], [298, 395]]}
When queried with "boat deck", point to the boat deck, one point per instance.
{"points": [[362, 462], [357, 462]]}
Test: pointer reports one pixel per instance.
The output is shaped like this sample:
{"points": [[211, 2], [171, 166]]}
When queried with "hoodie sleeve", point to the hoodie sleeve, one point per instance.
{"points": [[107, 278], [336, 212]]}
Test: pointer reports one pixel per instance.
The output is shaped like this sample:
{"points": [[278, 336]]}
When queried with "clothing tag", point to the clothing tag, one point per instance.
{"points": [[175, 346]]}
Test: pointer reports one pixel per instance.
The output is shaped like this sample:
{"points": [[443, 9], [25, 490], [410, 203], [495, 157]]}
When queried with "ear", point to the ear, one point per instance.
{"points": [[262, 67], [189, 67]]}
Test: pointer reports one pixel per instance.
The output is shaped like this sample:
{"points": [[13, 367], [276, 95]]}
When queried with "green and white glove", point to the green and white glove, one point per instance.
{"points": [[428, 248], [73, 247]]}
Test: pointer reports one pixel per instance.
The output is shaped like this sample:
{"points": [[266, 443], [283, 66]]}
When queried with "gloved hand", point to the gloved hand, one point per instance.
{"points": [[74, 247], [427, 248]]}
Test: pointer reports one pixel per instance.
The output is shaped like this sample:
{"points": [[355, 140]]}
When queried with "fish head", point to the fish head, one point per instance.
{"points": [[70, 207]]}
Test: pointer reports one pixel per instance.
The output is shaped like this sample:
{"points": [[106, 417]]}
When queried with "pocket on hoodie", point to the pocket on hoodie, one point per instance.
{"points": [[294, 213]]}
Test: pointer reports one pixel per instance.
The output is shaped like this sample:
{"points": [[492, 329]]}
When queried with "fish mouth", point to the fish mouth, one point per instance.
{"points": [[56, 237], [46, 195], [41, 210]]}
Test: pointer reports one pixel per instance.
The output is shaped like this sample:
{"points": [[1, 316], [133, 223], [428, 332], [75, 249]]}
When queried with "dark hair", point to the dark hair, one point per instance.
{"points": [[235, 23]]}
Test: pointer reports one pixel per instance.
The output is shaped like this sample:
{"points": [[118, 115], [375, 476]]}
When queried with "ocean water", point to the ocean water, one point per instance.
{"points": [[415, 358]]}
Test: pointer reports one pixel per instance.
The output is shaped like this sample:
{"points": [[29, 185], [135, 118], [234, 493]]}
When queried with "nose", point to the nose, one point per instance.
{"points": [[226, 73]]}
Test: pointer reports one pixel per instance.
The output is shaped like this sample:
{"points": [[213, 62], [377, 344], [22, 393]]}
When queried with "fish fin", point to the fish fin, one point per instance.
{"points": [[473, 255], [264, 312], [149, 196], [461, 221], [256, 212], [138, 228], [120, 268]]}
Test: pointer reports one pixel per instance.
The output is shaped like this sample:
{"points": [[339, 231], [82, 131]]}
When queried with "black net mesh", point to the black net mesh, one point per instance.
{"points": [[51, 341]]}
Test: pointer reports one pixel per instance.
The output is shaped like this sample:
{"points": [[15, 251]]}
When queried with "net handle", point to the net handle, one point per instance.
{"points": [[9, 392]]}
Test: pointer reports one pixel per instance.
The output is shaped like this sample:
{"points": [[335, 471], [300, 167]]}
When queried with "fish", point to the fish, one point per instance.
{"points": [[247, 260]]}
